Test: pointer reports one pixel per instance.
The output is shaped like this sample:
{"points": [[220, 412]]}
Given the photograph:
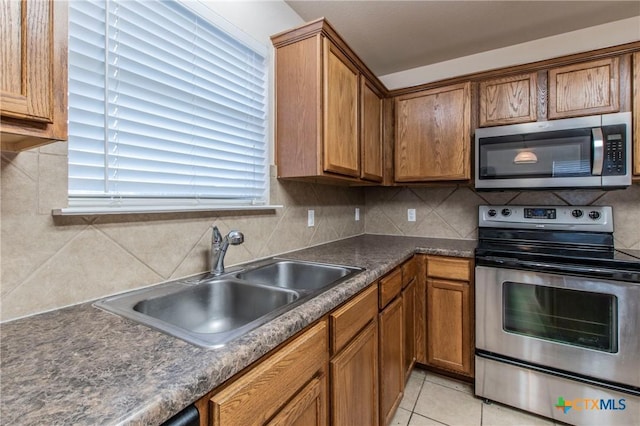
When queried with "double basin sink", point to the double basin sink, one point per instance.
{"points": [[210, 311]]}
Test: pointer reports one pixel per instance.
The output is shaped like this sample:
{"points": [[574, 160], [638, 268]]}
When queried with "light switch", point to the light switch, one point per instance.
{"points": [[411, 215], [357, 214], [310, 218]]}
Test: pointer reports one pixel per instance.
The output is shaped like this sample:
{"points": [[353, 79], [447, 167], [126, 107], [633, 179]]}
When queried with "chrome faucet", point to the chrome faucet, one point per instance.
{"points": [[219, 248]]}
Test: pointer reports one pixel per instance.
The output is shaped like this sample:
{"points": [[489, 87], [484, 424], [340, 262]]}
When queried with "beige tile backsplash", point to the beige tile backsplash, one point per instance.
{"points": [[48, 262], [452, 212]]}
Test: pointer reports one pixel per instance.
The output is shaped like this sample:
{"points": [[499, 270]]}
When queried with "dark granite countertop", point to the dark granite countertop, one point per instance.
{"points": [[83, 366]]}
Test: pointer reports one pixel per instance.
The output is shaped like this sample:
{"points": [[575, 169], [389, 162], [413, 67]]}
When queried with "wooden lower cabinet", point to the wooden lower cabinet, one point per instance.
{"points": [[390, 322], [349, 368], [288, 387], [409, 312], [420, 305], [354, 381], [307, 408], [450, 337]]}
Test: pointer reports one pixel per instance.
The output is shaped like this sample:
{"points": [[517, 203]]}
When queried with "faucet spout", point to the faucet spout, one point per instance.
{"points": [[219, 246]]}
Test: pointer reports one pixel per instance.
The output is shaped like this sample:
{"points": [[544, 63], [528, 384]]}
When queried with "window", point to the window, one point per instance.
{"points": [[165, 108]]}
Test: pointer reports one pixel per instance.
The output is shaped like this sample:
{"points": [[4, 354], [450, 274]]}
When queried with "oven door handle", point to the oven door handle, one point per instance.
{"points": [[550, 267]]}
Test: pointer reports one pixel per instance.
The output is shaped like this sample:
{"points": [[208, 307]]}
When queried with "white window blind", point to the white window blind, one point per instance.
{"points": [[163, 105]]}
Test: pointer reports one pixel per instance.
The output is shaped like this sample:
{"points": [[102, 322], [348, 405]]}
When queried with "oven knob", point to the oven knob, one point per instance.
{"points": [[594, 215], [491, 213], [506, 212], [577, 213]]}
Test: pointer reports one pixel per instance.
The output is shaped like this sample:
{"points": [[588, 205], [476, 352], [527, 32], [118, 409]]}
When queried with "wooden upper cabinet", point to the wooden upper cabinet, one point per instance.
{"points": [[370, 132], [341, 80], [33, 77], [585, 88], [328, 109], [433, 134], [508, 100], [636, 113]]}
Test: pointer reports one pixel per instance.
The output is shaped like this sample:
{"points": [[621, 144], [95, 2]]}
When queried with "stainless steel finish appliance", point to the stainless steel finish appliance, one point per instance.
{"points": [[587, 152], [557, 314]]}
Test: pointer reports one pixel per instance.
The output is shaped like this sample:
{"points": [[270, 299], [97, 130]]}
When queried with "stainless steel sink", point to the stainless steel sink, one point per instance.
{"points": [[296, 274], [216, 306], [210, 311]]}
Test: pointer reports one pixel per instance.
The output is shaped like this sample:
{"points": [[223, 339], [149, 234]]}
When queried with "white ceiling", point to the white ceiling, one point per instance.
{"points": [[392, 36]]}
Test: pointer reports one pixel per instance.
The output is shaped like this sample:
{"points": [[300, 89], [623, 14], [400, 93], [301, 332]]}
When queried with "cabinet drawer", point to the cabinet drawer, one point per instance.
{"points": [[390, 287], [409, 271], [448, 267], [352, 317], [263, 391]]}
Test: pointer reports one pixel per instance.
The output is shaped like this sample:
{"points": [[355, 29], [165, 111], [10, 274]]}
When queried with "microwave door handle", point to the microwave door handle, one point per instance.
{"points": [[598, 151]]}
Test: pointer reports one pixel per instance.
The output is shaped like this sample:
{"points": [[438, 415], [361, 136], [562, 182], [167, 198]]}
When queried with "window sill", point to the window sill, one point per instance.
{"points": [[100, 211]]}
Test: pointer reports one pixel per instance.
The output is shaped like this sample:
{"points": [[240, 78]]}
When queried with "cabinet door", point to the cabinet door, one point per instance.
{"points": [[449, 339], [433, 135], [636, 113], [307, 408], [266, 389], [508, 100], [390, 322], [408, 309], [33, 73], [26, 90], [370, 132], [584, 89], [340, 110], [354, 381], [421, 310]]}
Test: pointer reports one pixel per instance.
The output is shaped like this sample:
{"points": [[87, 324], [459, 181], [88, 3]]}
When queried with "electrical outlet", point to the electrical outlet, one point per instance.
{"points": [[411, 215], [357, 214], [311, 218]]}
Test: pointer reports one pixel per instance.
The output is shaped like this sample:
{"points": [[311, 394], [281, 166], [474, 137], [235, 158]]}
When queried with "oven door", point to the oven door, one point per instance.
{"points": [[573, 324]]}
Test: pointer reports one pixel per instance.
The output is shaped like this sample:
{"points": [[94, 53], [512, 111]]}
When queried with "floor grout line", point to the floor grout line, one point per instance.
{"points": [[415, 416]]}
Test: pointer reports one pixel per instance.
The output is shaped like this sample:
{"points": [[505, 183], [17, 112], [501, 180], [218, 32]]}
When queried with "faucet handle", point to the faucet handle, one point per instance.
{"points": [[216, 236]]}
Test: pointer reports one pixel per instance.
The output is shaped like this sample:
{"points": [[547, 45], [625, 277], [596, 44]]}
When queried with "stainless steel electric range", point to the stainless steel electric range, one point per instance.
{"points": [[557, 314]]}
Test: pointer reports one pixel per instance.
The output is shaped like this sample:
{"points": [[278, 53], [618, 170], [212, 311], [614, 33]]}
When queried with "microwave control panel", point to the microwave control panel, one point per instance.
{"points": [[614, 151]]}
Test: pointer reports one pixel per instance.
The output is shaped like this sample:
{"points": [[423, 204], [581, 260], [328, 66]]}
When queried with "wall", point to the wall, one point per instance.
{"points": [[452, 212], [49, 262], [600, 36]]}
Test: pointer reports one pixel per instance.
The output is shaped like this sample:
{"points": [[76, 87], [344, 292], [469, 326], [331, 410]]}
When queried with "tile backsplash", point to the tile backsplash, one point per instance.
{"points": [[452, 212], [48, 262]]}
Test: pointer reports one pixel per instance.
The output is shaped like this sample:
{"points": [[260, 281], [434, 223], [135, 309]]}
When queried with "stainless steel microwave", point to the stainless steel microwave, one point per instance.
{"points": [[583, 152]]}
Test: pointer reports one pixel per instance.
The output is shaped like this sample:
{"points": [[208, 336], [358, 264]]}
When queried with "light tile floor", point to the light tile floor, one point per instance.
{"points": [[434, 400]]}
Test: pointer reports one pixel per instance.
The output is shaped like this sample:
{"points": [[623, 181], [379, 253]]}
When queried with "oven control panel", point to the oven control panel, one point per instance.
{"points": [[586, 218]]}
